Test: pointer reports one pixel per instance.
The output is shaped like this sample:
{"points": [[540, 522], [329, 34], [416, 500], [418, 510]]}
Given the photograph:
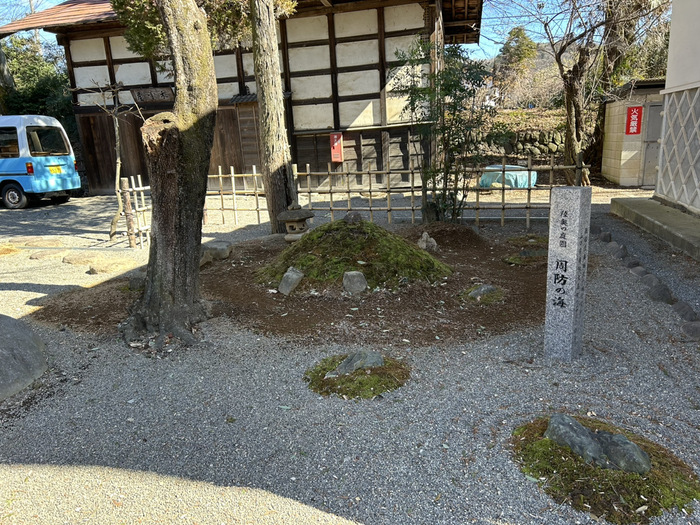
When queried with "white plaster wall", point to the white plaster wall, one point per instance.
{"points": [[248, 64], [93, 99], [164, 72], [357, 53], [87, 50], [125, 98], [358, 83], [394, 110], [120, 48], [227, 90], [309, 58], [684, 46], [225, 66], [402, 17], [401, 42], [308, 28], [304, 88], [252, 87], [91, 77], [319, 116], [356, 23], [133, 74], [360, 113]]}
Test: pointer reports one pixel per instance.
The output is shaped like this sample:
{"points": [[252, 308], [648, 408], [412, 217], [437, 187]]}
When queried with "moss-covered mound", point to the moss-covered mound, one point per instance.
{"points": [[361, 384], [619, 497], [327, 252]]}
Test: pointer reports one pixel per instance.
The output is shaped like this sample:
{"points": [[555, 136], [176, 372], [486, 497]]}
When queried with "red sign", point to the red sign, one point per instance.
{"points": [[634, 120], [337, 147]]}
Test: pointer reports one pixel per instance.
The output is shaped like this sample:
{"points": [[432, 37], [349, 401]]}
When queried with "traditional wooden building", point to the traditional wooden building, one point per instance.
{"points": [[339, 68]]}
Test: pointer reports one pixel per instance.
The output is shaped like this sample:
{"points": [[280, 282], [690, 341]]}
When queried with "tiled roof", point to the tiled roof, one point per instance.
{"points": [[70, 13]]}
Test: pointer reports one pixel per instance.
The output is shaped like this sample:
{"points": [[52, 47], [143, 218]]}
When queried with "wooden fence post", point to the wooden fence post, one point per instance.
{"points": [[128, 211]]}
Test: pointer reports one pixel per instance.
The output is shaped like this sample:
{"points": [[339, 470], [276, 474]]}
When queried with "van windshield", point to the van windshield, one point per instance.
{"points": [[46, 140]]}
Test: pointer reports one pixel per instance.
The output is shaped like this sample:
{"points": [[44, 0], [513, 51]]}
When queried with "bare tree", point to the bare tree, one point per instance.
{"points": [[582, 34]]}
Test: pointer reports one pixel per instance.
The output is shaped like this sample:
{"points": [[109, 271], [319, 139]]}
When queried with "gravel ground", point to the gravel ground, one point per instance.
{"points": [[227, 432]]}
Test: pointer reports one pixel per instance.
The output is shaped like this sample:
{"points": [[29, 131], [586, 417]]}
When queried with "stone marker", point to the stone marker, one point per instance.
{"points": [[569, 222], [354, 282], [290, 280], [22, 357]]}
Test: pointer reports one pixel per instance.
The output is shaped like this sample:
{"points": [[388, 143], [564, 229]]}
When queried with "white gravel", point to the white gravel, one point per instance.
{"points": [[227, 432]]}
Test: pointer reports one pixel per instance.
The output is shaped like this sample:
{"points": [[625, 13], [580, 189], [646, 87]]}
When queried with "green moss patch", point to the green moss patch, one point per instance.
{"points": [[619, 497], [327, 252], [362, 384]]}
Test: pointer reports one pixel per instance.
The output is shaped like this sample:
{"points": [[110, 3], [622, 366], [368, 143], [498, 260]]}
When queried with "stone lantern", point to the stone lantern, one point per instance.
{"points": [[294, 220]]}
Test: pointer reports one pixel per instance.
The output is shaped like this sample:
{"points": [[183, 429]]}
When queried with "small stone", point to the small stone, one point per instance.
{"points": [[692, 330], [364, 359], [353, 217], [660, 293], [354, 282], [219, 250], [112, 265], [620, 253], [650, 280], [605, 237], [685, 311], [612, 247], [482, 291], [290, 280], [427, 243], [631, 262], [45, 243], [639, 271], [48, 254], [81, 258]]}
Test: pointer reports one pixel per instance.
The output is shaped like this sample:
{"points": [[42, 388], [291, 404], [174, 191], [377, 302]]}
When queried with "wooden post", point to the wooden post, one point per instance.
{"points": [[579, 168], [128, 211]]}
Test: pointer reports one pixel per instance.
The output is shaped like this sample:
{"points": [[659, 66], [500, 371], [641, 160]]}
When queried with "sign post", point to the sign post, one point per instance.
{"points": [[569, 232]]}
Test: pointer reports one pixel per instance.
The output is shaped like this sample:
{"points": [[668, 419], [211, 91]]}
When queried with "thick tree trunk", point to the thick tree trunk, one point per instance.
{"points": [[278, 177], [178, 147], [7, 83], [575, 126]]}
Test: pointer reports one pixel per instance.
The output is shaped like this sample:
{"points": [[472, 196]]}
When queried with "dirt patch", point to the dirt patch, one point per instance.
{"points": [[415, 314]]}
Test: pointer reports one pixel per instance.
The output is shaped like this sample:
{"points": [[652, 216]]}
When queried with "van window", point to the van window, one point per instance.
{"points": [[9, 147], [46, 140]]}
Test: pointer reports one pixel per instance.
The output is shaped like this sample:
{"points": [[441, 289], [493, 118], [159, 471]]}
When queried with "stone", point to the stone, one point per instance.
{"points": [[603, 449], [354, 282], [22, 358], [612, 247], [620, 253], [482, 291], [570, 216], [660, 293], [427, 243], [605, 237], [650, 280], [219, 250], [353, 217], [692, 330], [639, 271], [363, 359], [205, 256], [631, 262], [111, 265], [290, 280], [45, 243], [685, 311]]}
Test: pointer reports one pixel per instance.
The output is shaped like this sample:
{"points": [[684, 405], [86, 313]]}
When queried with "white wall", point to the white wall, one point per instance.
{"points": [[684, 47]]}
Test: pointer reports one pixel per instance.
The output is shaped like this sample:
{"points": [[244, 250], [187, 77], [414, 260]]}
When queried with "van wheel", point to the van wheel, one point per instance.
{"points": [[13, 197], [60, 200]]}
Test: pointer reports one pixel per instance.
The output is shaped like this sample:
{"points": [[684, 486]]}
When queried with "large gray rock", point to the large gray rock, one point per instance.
{"points": [[22, 357], [354, 282], [216, 250], [290, 280], [603, 449], [427, 243], [685, 311], [660, 293], [650, 280], [364, 359]]}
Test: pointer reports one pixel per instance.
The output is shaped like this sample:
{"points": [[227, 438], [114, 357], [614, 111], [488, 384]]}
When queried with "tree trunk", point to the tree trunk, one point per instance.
{"points": [[178, 147], [278, 177], [573, 102], [7, 83]]}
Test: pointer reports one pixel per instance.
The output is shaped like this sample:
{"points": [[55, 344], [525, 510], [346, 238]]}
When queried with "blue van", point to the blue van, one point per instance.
{"points": [[36, 160]]}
